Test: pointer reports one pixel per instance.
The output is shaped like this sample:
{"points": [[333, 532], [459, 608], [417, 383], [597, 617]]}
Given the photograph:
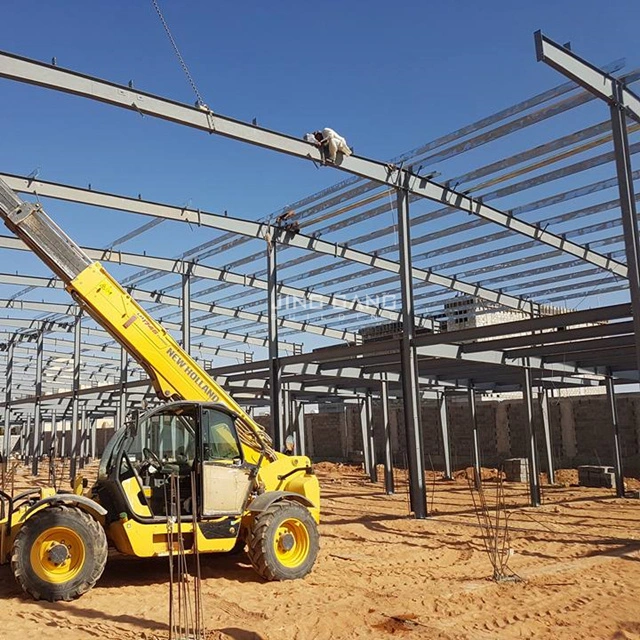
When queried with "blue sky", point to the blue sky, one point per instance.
{"points": [[389, 76]]}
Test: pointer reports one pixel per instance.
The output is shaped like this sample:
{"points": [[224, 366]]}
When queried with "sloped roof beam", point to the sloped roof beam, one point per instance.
{"points": [[44, 75], [209, 307], [254, 230], [594, 80], [70, 310]]}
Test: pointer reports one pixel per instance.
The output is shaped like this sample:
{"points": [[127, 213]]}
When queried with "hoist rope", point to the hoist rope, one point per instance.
{"points": [[183, 64]]}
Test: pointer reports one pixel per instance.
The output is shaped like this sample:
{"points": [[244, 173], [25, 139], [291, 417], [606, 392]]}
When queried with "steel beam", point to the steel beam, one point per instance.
{"points": [[68, 309], [386, 427], [258, 230], [622, 102], [617, 451], [201, 271], [409, 360], [29, 71], [594, 80], [210, 307], [534, 480]]}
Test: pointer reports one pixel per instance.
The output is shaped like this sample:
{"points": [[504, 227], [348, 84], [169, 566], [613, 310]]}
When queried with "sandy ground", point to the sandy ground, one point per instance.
{"points": [[383, 574]]}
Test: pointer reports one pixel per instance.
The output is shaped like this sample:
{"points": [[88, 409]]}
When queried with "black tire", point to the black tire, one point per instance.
{"points": [[59, 553], [283, 542]]}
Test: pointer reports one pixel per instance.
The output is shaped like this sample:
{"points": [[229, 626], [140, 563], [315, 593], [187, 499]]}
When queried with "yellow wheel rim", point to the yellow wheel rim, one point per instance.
{"points": [[292, 543], [58, 555]]}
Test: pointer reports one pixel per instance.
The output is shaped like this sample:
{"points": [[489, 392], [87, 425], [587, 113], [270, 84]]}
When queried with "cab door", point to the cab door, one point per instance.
{"points": [[226, 480]]}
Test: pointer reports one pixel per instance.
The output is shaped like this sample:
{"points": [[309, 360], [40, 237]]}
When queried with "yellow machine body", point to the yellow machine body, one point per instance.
{"points": [[274, 499]]}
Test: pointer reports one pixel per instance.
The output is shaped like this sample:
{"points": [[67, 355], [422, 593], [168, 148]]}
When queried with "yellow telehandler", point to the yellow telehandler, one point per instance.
{"points": [[246, 494]]}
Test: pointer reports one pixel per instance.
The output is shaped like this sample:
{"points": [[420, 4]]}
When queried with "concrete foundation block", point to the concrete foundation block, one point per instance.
{"points": [[516, 469], [596, 476]]}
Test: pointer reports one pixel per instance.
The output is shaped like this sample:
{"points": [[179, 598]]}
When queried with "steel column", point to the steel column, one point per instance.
{"points": [[475, 439], [275, 392], [301, 444], [26, 438], [124, 379], [53, 448], [621, 102], [546, 424], [22, 440], [627, 207], [94, 426], [186, 312], [386, 426], [8, 394], [77, 336], [444, 426], [364, 432], [37, 409], [408, 358], [371, 444], [286, 414], [83, 438], [534, 482], [617, 453]]}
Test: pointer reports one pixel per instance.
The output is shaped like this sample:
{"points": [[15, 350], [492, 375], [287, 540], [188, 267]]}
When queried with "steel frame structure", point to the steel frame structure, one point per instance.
{"points": [[521, 242]]}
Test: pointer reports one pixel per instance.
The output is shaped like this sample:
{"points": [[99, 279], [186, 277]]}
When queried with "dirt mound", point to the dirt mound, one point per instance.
{"points": [[566, 477], [486, 474]]}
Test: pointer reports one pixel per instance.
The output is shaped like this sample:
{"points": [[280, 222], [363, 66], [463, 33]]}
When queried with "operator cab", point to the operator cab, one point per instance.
{"points": [[172, 442]]}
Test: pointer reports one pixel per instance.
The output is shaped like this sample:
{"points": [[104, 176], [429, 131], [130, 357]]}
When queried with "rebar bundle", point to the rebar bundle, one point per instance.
{"points": [[495, 529], [185, 594]]}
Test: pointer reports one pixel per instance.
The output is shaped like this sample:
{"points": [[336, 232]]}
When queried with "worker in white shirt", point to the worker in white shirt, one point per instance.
{"points": [[331, 143]]}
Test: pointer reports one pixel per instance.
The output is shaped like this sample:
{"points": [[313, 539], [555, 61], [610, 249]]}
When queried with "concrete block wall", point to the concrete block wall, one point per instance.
{"points": [[581, 432]]}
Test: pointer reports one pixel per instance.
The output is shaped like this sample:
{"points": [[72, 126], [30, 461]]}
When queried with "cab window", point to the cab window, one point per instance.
{"points": [[170, 435], [219, 440]]}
